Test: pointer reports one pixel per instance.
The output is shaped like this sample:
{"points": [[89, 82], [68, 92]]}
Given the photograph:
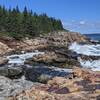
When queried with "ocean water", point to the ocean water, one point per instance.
{"points": [[89, 50], [21, 58], [93, 36], [85, 49]]}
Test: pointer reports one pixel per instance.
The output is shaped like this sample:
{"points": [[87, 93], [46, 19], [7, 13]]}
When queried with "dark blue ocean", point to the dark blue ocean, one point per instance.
{"points": [[94, 36]]}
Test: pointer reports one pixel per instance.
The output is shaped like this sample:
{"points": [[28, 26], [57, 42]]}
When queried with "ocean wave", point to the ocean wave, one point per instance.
{"points": [[88, 50]]}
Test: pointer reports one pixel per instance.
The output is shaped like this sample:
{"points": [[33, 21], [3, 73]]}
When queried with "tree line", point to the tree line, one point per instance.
{"points": [[19, 24]]}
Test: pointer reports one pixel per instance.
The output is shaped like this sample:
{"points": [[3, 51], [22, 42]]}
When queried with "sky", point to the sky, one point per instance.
{"points": [[76, 15]]}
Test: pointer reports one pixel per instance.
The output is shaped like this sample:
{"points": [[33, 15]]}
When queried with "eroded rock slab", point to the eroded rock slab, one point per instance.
{"points": [[12, 87]]}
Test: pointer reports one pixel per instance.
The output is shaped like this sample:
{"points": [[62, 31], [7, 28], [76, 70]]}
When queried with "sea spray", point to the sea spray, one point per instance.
{"points": [[88, 50]]}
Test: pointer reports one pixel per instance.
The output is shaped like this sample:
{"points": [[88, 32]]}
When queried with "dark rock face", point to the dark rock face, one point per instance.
{"points": [[38, 73], [11, 72], [43, 73]]}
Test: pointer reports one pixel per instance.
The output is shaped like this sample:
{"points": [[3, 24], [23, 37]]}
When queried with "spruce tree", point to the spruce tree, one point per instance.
{"points": [[20, 24]]}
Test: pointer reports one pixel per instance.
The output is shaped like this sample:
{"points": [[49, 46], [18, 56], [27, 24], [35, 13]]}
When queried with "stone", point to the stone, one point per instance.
{"points": [[10, 87], [43, 78], [44, 73], [48, 57], [3, 61], [86, 74], [58, 58], [4, 49], [11, 72], [60, 88]]}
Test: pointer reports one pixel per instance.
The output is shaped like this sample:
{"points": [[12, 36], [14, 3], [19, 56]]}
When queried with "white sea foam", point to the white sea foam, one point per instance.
{"points": [[93, 50], [20, 58], [93, 65], [89, 50]]}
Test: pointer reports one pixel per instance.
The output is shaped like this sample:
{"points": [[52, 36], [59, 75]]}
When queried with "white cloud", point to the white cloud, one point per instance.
{"points": [[82, 26], [82, 22]]}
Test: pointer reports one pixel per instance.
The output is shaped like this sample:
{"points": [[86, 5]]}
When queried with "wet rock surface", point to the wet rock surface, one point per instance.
{"points": [[45, 73]]}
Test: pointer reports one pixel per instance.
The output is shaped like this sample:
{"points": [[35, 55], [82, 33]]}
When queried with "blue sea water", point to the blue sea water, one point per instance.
{"points": [[93, 36]]}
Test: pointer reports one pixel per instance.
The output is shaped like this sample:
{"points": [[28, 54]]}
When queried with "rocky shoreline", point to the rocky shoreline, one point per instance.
{"points": [[81, 87], [43, 68]]}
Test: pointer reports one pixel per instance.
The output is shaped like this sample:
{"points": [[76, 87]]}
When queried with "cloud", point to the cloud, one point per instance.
{"points": [[82, 26], [82, 22]]}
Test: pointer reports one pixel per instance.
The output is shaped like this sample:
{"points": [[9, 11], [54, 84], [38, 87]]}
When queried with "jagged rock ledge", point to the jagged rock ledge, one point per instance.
{"points": [[58, 39], [85, 86]]}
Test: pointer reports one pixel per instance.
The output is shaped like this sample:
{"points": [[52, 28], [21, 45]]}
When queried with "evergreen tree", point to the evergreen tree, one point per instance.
{"points": [[20, 24]]}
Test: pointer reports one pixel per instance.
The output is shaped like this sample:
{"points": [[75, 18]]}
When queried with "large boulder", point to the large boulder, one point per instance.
{"points": [[11, 72], [56, 58], [48, 57]]}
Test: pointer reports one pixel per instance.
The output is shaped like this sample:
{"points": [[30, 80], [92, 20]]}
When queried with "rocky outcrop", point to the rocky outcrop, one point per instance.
{"points": [[86, 74], [54, 56], [44, 73], [60, 88], [48, 57], [12, 87], [79, 84], [57, 38], [67, 37], [60, 39], [11, 72]]}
